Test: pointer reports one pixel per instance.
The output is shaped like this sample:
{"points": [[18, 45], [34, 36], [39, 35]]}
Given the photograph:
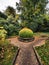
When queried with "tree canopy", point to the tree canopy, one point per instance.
{"points": [[10, 11], [32, 11], [2, 15], [29, 8]]}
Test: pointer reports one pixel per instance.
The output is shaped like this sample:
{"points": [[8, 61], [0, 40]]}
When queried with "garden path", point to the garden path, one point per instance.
{"points": [[26, 55]]}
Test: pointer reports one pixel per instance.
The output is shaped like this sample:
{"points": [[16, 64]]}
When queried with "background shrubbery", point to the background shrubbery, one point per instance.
{"points": [[12, 27], [35, 18], [2, 33]]}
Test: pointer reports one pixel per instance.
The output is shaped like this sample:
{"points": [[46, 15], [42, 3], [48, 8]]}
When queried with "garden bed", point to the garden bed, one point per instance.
{"points": [[43, 52], [8, 53], [26, 39]]}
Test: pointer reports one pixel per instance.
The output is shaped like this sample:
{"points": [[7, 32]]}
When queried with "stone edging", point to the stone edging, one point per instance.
{"points": [[13, 62], [37, 56], [26, 39]]}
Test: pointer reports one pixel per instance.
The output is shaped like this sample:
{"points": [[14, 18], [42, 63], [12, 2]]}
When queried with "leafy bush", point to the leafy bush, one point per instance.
{"points": [[2, 33], [33, 26], [2, 15], [7, 52], [10, 25], [26, 33]]}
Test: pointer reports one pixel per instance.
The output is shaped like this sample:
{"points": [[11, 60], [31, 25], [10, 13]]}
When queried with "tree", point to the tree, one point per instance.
{"points": [[2, 15], [31, 10], [10, 11]]}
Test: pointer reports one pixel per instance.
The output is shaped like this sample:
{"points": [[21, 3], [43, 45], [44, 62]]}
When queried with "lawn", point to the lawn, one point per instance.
{"points": [[43, 52], [41, 33], [7, 53]]}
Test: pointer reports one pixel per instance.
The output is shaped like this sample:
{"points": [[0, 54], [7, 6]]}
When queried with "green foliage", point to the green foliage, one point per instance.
{"points": [[13, 27], [26, 33], [10, 11], [2, 15], [10, 25], [2, 33], [32, 15], [7, 53], [44, 23], [29, 8], [43, 51], [32, 11], [33, 26]]}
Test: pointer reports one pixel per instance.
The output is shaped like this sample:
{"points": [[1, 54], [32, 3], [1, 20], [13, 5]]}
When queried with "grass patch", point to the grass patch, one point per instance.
{"points": [[7, 53], [43, 52], [41, 33]]}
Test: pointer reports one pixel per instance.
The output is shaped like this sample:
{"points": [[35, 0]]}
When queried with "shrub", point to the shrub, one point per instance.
{"points": [[7, 52], [2, 33], [11, 26], [26, 33]]}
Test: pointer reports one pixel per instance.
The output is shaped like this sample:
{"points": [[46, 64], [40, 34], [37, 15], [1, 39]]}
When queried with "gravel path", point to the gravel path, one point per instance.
{"points": [[26, 55]]}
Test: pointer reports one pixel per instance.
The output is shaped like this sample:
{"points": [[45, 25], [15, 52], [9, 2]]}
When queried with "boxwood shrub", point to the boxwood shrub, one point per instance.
{"points": [[26, 33]]}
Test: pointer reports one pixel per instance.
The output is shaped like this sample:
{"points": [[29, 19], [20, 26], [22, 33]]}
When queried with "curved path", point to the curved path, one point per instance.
{"points": [[26, 55]]}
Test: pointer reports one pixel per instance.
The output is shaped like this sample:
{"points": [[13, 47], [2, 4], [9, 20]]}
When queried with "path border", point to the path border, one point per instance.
{"points": [[37, 56], [15, 57]]}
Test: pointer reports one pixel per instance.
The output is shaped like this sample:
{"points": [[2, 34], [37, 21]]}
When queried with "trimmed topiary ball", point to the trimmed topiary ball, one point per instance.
{"points": [[26, 33]]}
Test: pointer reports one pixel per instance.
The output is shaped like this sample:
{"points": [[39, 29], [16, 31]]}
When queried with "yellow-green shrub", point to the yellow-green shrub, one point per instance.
{"points": [[26, 33], [2, 33]]}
